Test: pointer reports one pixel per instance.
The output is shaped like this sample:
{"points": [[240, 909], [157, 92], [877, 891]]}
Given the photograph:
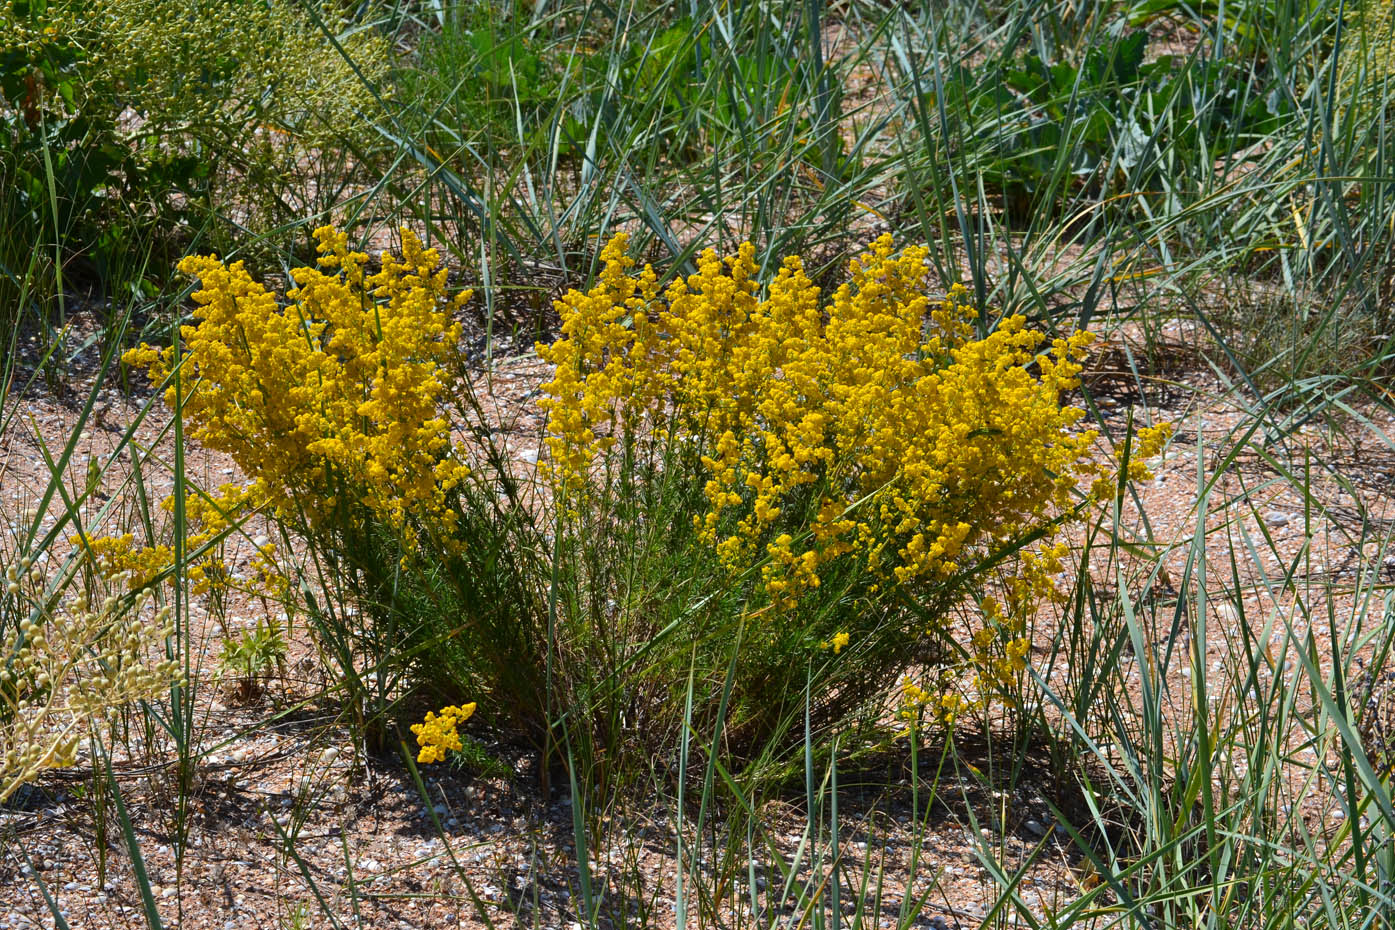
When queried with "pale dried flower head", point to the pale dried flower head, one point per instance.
{"points": [[65, 671]]}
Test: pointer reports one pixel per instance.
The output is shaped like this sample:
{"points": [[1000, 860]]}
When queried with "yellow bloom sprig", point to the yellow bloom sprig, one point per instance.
{"points": [[208, 518], [838, 643], [944, 705], [440, 733]]}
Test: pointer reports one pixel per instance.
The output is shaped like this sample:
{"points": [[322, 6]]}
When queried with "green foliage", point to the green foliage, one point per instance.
{"points": [[491, 82], [481, 79], [650, 110], [1047, 132], [648, 618], [67, 176], [132, 122], [444, 620], [475, 757], [250, 656], [699, 94]]}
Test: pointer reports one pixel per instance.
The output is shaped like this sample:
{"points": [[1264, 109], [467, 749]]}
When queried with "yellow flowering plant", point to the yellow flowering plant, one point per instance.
{"points": [[858, 462], [346, 404], [439, 733], [209, 520], [342, 387]]}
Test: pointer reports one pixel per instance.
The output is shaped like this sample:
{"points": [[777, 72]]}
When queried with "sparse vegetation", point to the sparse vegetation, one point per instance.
{"points": [[684, 464]]}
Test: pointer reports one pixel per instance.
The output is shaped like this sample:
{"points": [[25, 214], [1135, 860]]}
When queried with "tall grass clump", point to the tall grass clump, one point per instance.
{"points": [[1132, 163], [533, 133], [1217, 719]]}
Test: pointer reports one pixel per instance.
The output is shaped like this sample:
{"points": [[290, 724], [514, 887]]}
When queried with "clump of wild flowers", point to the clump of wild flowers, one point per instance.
{"points": [[874, 426], [333, 402], [120, 556], [873, 435], [68, 670], [345, 404]]}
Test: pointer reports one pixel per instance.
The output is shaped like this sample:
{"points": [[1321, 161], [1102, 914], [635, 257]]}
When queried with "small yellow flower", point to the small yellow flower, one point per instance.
{"points": [[439, 733], [837, 643]]}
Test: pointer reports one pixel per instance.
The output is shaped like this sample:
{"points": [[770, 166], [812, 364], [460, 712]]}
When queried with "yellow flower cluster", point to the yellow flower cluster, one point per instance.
{"points": [[64, 671], [114, 556], [340, 390], [874, 426], [943, 704], [1000, 644], [441, 732], [599, 364], [838, 643], [208, 518]]}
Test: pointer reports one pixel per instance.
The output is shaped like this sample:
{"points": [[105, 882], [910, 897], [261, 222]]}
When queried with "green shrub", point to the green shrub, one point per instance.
{"points": [[132, 121], [479, 80], [1112, 124]]}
